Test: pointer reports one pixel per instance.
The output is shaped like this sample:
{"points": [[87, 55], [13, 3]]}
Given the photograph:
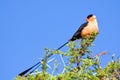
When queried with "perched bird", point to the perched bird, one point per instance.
{"points": [[84, 30], [87, 28]]}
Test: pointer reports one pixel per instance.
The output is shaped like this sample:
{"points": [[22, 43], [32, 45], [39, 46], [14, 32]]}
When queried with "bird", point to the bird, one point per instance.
{"points": [[83, 31], [87, 28]]}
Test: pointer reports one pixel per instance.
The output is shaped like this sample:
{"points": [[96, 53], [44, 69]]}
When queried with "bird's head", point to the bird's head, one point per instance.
{"points": [[91, 18]]}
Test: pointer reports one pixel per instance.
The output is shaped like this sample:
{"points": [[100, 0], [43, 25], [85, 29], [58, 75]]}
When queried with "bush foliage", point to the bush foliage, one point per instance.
{"points": [[81, 65]]}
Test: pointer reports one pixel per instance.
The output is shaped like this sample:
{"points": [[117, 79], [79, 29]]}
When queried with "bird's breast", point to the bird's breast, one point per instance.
{"points": [[89, 30]]}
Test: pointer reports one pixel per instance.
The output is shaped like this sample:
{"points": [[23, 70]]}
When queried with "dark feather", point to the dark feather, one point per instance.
{"points": [[77, 34], [27, 70]]}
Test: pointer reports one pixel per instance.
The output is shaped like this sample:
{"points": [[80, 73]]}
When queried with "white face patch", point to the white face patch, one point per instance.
{"points": [[94, 16]]}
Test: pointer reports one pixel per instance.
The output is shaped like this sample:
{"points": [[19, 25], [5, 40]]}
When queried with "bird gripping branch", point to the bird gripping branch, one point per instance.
{"points": [[86, 29]]}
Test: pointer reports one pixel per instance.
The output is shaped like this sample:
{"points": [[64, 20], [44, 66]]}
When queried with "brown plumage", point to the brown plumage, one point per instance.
{"points": [[87, 28]]}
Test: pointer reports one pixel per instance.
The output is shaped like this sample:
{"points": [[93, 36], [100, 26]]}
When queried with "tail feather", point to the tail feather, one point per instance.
{"points": [[24, 72]]}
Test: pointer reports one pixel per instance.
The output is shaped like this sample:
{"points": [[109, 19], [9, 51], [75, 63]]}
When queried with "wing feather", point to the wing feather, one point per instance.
{"points": [[77, 34]]}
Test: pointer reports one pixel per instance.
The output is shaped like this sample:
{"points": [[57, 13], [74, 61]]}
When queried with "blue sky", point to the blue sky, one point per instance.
{"points": [[29, 26]]}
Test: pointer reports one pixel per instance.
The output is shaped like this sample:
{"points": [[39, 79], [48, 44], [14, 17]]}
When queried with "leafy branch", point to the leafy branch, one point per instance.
{"points": [[80, 65]]}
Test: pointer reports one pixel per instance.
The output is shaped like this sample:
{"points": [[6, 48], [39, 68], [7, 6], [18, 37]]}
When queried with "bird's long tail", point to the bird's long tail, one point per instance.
{"points": [[63, 45], [27, 70]]}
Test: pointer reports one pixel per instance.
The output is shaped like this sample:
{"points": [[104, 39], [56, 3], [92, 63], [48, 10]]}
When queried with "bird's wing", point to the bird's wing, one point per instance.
{"points": [[77, 34]]}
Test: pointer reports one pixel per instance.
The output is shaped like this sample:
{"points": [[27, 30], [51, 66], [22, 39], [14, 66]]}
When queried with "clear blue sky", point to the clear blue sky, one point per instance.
{"points": [[29, 26]]}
